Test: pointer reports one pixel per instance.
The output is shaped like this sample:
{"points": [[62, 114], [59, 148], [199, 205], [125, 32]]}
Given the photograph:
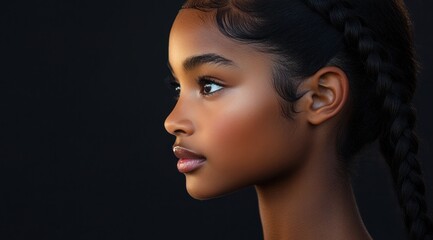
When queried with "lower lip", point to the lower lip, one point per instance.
{"points": [[186, 165]]}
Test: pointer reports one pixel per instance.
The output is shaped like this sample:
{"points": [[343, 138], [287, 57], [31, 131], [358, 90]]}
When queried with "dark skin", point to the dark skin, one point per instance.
{"points": [[233, 118]]}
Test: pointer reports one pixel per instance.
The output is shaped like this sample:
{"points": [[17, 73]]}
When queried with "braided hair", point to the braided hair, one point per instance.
{"points": [[368, 39]]}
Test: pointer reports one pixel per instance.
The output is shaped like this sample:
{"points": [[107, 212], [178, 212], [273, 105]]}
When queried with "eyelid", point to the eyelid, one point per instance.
{"points": [[203, 80], [173, 83], [206, 78]]}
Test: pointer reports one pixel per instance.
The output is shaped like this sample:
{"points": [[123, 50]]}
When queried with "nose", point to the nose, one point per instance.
{"points": [[178, 122]]}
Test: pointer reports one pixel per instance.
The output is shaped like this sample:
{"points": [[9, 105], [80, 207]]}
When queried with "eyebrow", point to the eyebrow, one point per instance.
{"points": [[209, 58]]}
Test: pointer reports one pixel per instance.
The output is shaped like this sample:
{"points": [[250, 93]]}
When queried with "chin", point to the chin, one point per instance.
{"points": [[200, 197], [201, 191]]}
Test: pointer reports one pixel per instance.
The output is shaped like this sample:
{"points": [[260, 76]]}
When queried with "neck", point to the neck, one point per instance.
{"points": [[312, 203]]}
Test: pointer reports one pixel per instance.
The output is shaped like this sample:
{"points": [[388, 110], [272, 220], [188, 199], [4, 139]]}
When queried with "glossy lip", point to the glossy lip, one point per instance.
{"points": [[184, 153], [188, 160]]}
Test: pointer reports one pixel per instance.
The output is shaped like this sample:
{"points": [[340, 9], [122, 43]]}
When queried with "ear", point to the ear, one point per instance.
{"points": [[324, 94]]}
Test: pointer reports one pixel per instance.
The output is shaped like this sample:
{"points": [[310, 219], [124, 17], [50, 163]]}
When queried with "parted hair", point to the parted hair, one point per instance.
{"points": [[371, 41]]}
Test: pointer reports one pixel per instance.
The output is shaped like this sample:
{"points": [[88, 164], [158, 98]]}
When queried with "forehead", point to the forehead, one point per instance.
{"points": [[195, 33]]}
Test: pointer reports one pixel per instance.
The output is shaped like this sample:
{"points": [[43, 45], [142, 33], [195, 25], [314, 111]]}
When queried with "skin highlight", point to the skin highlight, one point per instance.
{"points": [[246, 140]]}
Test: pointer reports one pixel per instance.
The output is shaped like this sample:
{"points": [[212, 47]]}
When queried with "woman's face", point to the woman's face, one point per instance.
{"points": [[228, 113]]}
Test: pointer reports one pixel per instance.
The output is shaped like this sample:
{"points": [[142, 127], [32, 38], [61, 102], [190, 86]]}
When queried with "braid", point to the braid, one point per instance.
{"points": [[398, 142]]}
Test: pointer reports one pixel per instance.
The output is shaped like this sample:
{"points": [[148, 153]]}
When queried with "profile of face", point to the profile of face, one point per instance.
{"points": [[228, 123]]}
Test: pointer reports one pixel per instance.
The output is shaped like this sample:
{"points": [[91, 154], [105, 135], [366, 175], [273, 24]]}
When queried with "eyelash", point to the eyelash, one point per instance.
{"points": [[202, 82], [172, 84]]}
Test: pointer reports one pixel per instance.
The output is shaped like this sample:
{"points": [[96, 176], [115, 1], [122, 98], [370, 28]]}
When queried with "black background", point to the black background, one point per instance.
{"points": [[83, 151]]}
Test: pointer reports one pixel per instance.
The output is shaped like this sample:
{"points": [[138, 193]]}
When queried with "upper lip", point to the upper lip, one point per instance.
{"points": [[182, 152]]}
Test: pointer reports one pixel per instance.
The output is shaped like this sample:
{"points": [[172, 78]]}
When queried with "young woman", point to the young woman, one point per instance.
{"points": [[282, 94]]}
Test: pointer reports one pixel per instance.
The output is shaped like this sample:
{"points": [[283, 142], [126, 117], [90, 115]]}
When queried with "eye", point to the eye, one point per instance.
{"points": [[209, 86], [173, 85], [176, 87]]}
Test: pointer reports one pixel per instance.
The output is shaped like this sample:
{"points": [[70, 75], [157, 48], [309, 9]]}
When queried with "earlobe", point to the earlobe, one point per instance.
{"points": [[327, 93]]}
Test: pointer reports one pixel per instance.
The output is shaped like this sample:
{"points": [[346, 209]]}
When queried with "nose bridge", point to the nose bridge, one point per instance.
{"points": [[179, 120]]}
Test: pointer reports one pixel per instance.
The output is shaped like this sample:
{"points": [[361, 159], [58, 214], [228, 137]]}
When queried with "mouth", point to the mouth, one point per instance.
{"points": [[188, 159]]}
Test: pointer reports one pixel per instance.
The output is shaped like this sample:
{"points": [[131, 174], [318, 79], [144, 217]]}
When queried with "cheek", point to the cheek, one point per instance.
{"points": [[249, 137]]}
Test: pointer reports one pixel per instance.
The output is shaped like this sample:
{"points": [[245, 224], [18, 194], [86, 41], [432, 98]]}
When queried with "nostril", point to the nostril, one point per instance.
{"points": [[179, 132], [180, 128]]}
